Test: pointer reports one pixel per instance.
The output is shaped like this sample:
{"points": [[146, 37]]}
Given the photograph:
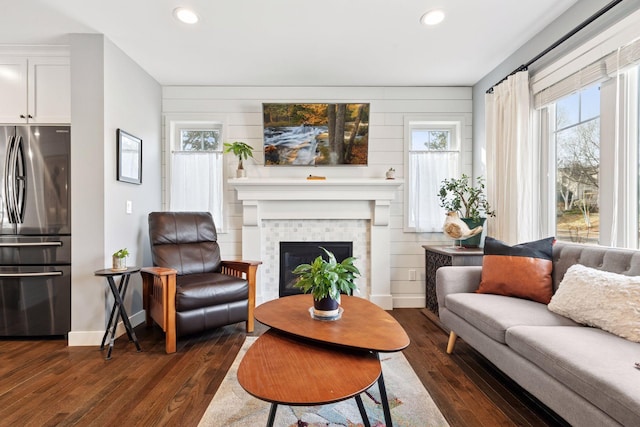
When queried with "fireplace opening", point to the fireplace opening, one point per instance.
{"points": [[293, 254]]}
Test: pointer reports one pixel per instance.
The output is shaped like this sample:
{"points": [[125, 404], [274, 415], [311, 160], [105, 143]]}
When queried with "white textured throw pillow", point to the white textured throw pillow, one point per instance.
{"points": [[602, 299]]}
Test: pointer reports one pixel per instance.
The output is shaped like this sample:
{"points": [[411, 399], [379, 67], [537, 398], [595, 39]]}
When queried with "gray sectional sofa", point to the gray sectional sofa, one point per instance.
{"points": [[584, 374]]}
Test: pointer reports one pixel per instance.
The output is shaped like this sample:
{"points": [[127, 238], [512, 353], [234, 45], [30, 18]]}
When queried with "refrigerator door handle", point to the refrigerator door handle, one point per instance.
{"points": [[8, 193], [20, 177], [28, 244], [40, 274], [15, 180], [10, 182]]}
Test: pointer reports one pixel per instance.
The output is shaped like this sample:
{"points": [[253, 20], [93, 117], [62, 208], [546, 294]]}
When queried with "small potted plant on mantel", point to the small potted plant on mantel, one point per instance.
{"points": [[119, 259], [465, 202], [242, 151], [325, 280]]}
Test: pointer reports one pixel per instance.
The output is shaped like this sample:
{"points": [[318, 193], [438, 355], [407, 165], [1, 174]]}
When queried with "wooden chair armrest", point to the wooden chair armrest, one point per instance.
{"points": [[159, 301], [249, 269], [242, 265], [158, 271]]}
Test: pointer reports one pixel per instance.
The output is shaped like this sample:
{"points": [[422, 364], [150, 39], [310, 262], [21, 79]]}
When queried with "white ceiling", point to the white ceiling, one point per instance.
{"points": [[294, 42]]}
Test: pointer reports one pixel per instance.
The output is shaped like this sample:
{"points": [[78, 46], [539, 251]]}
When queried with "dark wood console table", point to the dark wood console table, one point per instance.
{"points": [[437, 256]]}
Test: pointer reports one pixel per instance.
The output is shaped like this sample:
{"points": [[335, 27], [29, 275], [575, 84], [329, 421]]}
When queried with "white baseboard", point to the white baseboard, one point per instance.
{"points": [[94, 338], [84, 338], [383, 301], [409, 301]]}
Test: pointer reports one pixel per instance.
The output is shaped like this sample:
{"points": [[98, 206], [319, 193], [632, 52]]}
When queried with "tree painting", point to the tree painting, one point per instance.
{"points": [[316, 134]]}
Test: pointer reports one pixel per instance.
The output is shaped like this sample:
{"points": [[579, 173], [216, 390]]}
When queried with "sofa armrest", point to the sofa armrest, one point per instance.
{"points": [[455, 280]]}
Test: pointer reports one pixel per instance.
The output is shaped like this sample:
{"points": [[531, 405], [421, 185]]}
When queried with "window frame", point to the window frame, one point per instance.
{"points": [[174, 124], [618, 224], [201, 127], [552, 160], [620, 230], [460, 137]]}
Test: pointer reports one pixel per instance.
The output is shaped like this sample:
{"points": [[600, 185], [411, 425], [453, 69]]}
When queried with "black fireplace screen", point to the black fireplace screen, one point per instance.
{"points": [[293, 254]]}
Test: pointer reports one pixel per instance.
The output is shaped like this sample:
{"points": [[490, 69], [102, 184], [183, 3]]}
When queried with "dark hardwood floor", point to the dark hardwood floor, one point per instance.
{"points": [[46, 383]]}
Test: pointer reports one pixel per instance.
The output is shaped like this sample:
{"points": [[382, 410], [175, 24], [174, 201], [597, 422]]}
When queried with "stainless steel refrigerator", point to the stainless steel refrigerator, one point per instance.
{"points": [[35, 231]]}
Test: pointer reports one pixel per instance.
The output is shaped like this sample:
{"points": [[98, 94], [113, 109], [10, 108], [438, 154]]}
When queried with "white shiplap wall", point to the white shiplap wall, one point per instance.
{"points": [[241, 110]]}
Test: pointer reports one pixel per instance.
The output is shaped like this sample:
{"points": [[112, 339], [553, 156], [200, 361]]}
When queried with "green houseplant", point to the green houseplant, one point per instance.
{"points": [[119, 259], [469, 201], [242, 151], [325, 280]]}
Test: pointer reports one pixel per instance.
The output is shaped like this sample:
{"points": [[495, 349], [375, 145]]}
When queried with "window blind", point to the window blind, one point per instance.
{"points": [[603, 69]]}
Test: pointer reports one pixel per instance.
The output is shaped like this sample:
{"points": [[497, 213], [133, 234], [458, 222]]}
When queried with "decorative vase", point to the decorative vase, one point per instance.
{"points": [[241, 173], [119, 264], [326, 308], [472, 242]]}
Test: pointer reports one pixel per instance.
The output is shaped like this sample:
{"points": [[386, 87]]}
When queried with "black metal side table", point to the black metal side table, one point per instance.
{"points": [[118, 309]]}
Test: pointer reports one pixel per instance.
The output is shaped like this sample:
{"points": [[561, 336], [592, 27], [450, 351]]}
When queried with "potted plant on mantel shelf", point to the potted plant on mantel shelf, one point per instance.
{"points": [[119, 259], [326, 279], [468, 203], [242, 151]]}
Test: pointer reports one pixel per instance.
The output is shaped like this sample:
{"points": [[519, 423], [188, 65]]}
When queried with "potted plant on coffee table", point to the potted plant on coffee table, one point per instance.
{"points": [[461, 199], [325, 280], [242, 151]]}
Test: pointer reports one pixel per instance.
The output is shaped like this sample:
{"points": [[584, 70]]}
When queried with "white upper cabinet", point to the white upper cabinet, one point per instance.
{"points": [[13, 90], [35, 90], [49, 90]]}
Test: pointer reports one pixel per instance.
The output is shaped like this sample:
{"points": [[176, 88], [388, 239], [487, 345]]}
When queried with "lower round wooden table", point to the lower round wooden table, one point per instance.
{"points": [[303, 361], [284, 370]]}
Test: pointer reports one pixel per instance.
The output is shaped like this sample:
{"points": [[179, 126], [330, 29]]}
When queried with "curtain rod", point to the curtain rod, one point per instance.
{"points": [[566, 37]]}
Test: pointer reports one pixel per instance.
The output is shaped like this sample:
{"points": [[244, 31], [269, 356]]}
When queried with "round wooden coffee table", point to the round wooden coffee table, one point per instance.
{"points": [[293, 363], [282, 369]]}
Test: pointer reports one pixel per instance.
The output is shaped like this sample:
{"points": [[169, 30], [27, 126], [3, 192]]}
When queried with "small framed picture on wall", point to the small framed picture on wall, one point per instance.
{"points": [[129, 158]]}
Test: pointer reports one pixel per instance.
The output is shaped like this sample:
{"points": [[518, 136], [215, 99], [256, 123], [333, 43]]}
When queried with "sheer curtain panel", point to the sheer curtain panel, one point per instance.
{"points": [[512, 162], [196, 184], [429, 169]]}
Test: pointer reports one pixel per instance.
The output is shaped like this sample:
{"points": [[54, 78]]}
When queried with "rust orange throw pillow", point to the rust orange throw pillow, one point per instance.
{"points": [[522, 271]]}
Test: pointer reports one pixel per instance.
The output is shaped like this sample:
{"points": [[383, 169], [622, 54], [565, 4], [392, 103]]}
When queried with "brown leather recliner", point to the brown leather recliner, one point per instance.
{"points": [[190, 289]]}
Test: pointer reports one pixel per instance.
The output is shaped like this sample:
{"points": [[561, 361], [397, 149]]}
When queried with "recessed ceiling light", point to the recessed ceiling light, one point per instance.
{"points": [[185, 15], [433, 17]]}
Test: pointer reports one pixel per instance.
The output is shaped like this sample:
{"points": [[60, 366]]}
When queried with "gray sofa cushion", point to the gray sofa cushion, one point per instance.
{"points": [[593, 363], [494, 314], [621, 261]]}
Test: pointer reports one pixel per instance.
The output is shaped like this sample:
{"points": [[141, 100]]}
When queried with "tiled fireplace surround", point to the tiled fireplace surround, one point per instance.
{"points": [[356, 210]]}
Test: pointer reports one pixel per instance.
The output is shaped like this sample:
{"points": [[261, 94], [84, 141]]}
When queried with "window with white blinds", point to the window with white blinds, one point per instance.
{"points": [[588, 119]]}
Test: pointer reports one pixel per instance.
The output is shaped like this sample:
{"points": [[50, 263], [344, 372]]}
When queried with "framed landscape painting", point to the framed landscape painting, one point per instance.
{"points": [[316, 134]]}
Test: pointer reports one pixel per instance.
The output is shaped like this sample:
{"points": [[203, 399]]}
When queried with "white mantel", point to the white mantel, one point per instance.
{"points": [[333, 199]]}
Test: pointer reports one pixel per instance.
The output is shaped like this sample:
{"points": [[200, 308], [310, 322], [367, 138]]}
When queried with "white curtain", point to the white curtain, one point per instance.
{"points": [[513, 162], [428, 170], [196, 184]]}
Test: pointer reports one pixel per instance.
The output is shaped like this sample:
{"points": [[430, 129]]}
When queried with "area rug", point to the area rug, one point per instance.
{"points": [[411, 405]]}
